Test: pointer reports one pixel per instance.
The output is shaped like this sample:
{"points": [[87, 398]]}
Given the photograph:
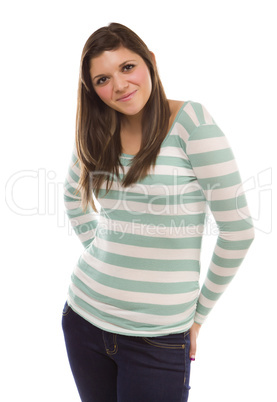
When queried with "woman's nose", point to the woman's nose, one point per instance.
{"points": [[119, 84]]}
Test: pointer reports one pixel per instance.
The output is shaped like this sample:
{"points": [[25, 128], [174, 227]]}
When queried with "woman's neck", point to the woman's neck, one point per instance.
{"points": [[131, 134], [132, 124]]}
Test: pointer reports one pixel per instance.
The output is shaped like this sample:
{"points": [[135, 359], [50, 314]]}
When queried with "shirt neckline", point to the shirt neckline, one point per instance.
{"points": [[167, 135]]}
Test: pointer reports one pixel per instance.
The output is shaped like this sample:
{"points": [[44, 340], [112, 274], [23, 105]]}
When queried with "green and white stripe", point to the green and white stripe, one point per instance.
{"points": [[139, 272]]}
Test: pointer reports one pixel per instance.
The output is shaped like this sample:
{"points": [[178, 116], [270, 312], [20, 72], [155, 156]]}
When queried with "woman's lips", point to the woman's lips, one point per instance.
{"points": [[127, 97]]}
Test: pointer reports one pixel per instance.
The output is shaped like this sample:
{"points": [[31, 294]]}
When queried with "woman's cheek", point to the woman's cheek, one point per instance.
{"points": [[104, 93], [141, 76]]}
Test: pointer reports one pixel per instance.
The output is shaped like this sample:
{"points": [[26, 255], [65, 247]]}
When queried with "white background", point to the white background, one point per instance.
{"points": [[219, 53]]}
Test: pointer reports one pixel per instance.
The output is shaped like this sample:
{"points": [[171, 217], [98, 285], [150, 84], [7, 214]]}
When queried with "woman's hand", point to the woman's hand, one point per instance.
{"points": [[194, 331]]}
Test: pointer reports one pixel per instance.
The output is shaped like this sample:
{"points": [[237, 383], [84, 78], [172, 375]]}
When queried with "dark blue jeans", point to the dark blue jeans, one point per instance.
{"points": [[116, 368]]}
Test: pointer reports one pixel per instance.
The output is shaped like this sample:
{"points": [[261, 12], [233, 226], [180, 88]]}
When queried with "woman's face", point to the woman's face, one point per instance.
{"points": [[122, 80]]}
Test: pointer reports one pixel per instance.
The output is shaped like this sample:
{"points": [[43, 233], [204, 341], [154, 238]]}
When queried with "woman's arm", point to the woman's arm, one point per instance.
{"points": [[83, 223], [216, 170]]}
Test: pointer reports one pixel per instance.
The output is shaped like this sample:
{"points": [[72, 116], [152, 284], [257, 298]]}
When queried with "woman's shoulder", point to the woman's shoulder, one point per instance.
{"points": [[191, 114], [175, 105], [194, 109]]}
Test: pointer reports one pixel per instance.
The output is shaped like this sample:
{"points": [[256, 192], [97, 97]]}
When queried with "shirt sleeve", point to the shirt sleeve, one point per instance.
{"points": [[83, 223], [215, 168]]}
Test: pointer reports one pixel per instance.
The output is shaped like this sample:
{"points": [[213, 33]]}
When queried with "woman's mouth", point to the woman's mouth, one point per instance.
{"points": [[127, 97]]}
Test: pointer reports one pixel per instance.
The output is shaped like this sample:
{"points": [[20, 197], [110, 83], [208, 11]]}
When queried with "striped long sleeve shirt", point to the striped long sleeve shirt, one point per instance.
{"points": [[139, 271]]}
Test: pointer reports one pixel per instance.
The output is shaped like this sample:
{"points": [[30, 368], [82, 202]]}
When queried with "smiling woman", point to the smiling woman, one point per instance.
{"points": [[124, 87], [111, 124], [134, 306]]}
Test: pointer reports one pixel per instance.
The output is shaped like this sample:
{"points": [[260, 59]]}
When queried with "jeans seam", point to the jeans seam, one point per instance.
{"points": [[187, 363], [115, 350], [68, 309]]}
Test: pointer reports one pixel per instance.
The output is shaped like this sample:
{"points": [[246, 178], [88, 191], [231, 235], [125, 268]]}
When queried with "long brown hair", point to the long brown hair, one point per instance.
{"points": [[98, 126]]}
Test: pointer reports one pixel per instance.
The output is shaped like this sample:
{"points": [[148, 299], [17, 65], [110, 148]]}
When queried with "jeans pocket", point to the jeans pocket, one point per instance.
{"points": [[66, 309], [172, 341]]}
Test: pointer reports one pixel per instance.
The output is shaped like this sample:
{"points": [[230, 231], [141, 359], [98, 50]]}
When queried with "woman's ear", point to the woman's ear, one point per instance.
{"points": [[153, 58]]}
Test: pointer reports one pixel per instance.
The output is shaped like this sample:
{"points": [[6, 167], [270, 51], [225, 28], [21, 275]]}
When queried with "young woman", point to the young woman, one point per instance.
{"points": [[134, 307]]}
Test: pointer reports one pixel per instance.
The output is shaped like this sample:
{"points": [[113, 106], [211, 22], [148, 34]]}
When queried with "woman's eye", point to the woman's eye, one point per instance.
{"points": [[128, 67], [101, 80]]}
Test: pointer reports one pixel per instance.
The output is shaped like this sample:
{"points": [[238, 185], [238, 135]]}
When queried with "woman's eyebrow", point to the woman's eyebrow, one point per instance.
{"points": [[120, 65]]}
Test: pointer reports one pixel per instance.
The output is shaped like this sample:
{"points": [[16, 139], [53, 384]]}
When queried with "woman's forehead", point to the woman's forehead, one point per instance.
{"points": [[114, 58]]}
